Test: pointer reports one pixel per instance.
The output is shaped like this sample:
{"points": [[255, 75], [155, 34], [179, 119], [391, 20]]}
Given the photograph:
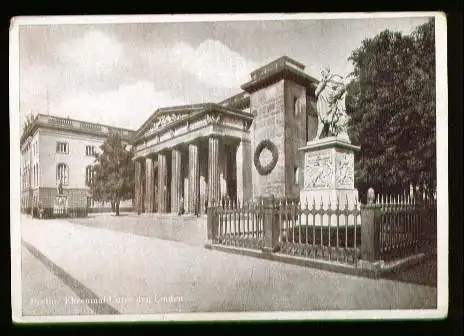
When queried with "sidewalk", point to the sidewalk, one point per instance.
{"points": [[144, 275]]}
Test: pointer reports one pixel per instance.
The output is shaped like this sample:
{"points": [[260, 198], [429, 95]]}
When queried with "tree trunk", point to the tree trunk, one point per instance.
{"points": [[112, 206], [117, 206]]}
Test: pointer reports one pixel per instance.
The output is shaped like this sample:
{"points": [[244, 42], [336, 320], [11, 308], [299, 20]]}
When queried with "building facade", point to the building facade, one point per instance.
{"points": [[239, 149], [61, 149]]}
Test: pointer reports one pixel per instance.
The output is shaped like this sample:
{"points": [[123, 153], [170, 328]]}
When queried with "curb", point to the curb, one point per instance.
{"points": [[363, 268]]}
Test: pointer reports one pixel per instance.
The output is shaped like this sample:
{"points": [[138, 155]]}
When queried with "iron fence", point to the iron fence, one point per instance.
{"points": [[340, 231], [406, 226], [240, 224], [331, 232]]}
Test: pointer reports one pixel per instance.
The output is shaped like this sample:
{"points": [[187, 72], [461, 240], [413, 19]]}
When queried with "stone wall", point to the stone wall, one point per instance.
{"points": [[76, 159], [268, 107], [295, 136], [311, 112]]}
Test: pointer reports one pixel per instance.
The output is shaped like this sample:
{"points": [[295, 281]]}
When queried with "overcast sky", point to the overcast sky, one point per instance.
{"points": [[119, 74]]}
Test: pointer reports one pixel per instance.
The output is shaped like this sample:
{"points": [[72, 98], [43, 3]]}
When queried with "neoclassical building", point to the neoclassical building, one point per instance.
{"points": [[57, 149], [242, 148]]}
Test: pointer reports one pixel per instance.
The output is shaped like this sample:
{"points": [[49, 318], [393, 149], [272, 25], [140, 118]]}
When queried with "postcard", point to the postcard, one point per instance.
{"points": [[229, 167]]}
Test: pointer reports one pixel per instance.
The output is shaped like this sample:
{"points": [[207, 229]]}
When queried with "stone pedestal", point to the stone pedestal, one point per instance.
{"points": [[60, 204], [329, 175]]}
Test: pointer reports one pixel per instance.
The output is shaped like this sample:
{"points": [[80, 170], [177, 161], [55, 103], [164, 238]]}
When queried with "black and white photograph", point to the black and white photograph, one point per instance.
{"points": [[229, 167]]}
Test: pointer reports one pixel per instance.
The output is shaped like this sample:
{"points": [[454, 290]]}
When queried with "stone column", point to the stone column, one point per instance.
{"points": [[162, 182], [176, 182], [213, 170], [194, 178], [243, 167], [138, 186], [149, 184]]}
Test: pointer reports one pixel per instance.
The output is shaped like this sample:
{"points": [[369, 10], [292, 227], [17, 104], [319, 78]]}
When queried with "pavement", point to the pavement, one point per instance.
{"points": [[83, 269]]}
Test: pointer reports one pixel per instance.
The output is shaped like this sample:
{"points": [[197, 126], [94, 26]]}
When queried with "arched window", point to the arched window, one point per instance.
{"points": [[88, 175], [62, 173]]}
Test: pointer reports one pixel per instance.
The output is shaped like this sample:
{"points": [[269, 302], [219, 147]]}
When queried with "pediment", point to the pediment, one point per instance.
{"points": [[165, 118]]}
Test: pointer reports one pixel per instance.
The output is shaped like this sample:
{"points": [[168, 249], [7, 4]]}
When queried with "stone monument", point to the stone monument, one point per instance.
{"points": [[329, 158], [60, 204]]}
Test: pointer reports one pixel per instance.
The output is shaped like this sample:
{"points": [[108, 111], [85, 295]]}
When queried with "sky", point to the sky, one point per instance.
{"points": [[119, 74]]}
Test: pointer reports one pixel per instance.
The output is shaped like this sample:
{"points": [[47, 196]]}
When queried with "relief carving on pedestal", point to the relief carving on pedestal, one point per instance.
{"points": [[318, 171], [344, 177]]}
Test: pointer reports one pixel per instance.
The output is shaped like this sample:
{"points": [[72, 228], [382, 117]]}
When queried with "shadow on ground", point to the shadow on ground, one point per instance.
{"points": [[424, 273]]}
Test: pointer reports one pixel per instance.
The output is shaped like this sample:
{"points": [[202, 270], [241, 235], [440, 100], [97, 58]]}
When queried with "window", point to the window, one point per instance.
{"points": [[88, 175], [90, 150], [62, 147], [295, 106], [33, 175], [62, 173], [296, 173]]}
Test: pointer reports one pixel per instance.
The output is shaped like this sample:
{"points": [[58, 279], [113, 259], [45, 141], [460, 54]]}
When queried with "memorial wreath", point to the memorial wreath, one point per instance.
{"points": [[265, 170]]}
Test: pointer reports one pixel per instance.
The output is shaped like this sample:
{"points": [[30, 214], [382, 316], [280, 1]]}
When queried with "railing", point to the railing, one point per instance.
{"points": [[90, 126], [339, 231], [60, 121], [240, 225], [405, 226], [331, 232]]}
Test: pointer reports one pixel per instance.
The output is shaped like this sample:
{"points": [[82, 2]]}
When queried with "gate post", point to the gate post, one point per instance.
{"points": [[212, 222], [270, 225], [370, 232]]}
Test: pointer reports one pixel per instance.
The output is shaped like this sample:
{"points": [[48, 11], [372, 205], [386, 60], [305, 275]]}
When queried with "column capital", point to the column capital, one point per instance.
{"points": [[194, 142], [139, 158]]}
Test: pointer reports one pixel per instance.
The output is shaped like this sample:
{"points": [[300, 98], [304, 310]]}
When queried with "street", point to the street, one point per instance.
{"points": [[80, 269]]}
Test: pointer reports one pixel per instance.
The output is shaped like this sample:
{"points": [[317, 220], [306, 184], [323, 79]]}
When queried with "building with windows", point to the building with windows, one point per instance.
{"points": [[242, 148], [55, 150]]}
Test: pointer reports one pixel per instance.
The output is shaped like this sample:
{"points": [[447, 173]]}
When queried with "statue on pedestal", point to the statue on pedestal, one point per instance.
{"points": [[60, 188], [331, 110]]}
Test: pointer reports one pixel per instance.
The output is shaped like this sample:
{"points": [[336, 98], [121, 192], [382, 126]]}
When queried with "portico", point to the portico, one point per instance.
{"points": [[190, 153]]}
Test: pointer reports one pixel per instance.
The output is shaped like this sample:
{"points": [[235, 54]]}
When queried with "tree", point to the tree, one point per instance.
{"points": [[391, 102], [113, 173]]}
